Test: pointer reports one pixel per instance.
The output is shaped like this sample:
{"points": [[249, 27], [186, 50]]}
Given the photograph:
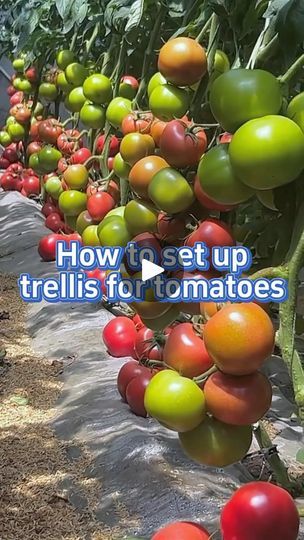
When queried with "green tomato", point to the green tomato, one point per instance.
{"points": [[38, 109], [168, 102], [240, 95], [18, 64], [218, 179], [75, 100], [113, 231], [72, 202], [54, 187], [267, 152], [76, 74], [5, 138], [16, 83], [48, 158], [295, 110], [16, 132], [117, 110], [83, 221], [25, 86], [119, 211], [176, 402], [90, 236], [98, 89], [170, 191], [221, 62], [93, 116], [62, 83], [156, 80], [216, 444], [71, 222], [64, 58], [120, 167], [34, 164], [48, 92], [140, 217], [10, 120], [266, 198]]}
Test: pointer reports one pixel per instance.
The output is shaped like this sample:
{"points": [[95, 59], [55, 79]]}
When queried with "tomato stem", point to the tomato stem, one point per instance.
{"points": [[292, 70], [201, 36], [204, 376]]}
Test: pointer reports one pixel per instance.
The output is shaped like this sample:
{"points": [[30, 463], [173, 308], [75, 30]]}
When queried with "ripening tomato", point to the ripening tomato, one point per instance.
{"points": [[21, 113], [239, 338], [260, 511], [212, 232], [140, 217], [98, 89], [99, 274], [32, 74], [182, 61], [119, 337], [170, 191], [182, 530], [90, 236], [4, 163], [175, 401], [47, 247], [53, 186], [117, 109], [135, 393], [137, 122], [182, 146], [48, 158], [128, 87], [233, 400], [54, 222], [121, 167], [99, 204], [9, 182], [68, 142], [169, 102], [84, 220], [127, 372], [80, 156], [185, 351], [76, 176], [135, 146], [49, 131], [10, 90], [231, 97], [16, 98], [113, 148], [218, 178], [33, 148], [275, 155], [142, 173], [216, 444], [171, 230], [206, 201], [157, 129]]}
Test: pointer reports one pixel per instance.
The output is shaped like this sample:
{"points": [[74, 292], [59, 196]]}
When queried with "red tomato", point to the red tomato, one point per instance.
{"points": [[31, 185], [15, 168], [138, 322], [49, 130], [16, 98], [10, 182], [110, 163], [10, 153], [183, 530], [66, 142], [171, 230], [185, 351], [31, 74], [114, 145], [212, 232], [80, 156], [54, 222], [119, 337], [47, 247], [225, 137], [99, 274], [180, 146], [48, 208], [135, 393], [146, 345], [4, 163], [260, 511], [62, 165], [206, 202], [134, 122], [114, 190], [11, 90], [127, 372], [33, 148], [99, 204]]}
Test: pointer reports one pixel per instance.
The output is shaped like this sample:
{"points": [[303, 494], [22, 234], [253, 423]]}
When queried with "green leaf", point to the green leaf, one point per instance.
{"points": [[290, 27], [79, 11], [135, 15], [274, 7], [64, 7]]}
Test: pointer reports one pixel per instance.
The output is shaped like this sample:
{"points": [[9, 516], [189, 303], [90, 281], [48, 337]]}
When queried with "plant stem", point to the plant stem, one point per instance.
{"points": [[120, 65], [204, 376], [149, 53], [74, 39], [204, 30], [270, 273], [90, 42], [105, 151], [292, 70], [274, 460]]}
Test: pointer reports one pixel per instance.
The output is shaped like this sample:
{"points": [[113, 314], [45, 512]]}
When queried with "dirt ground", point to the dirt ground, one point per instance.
{"points": [[35, 467]]}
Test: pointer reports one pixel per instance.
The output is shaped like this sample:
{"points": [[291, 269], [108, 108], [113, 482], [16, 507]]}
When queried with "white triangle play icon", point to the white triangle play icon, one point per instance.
{"points": [[149, 270]]}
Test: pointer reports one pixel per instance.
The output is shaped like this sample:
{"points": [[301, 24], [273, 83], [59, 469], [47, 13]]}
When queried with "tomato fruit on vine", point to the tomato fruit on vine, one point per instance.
{"points": [[113, 231], [64, 58], [48, 158], [216, 444], [49, 131], [62, 83], [47, 247], [53, 187], [16, 131], [260, 511], [98, 89], [169, 102], [127, 372], [121, 167], [117, 109], [170, 191], [99, 204], [90, 236], [75, 100], [135, 393], [239, 338], [182, 61], [212, 232], [84, 220], [72, 202], [47, 91], [128, 87], [93, 116], [156, 80], [135, 146], [142, 172], [76, 176], [241, 94], [119, 336], [140, 217], [181, 146], [175, 401], [275, 155], [76, 74]]}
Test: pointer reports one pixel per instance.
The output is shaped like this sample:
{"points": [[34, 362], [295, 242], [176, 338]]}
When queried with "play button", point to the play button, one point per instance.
{"points": [[149, 270]]}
